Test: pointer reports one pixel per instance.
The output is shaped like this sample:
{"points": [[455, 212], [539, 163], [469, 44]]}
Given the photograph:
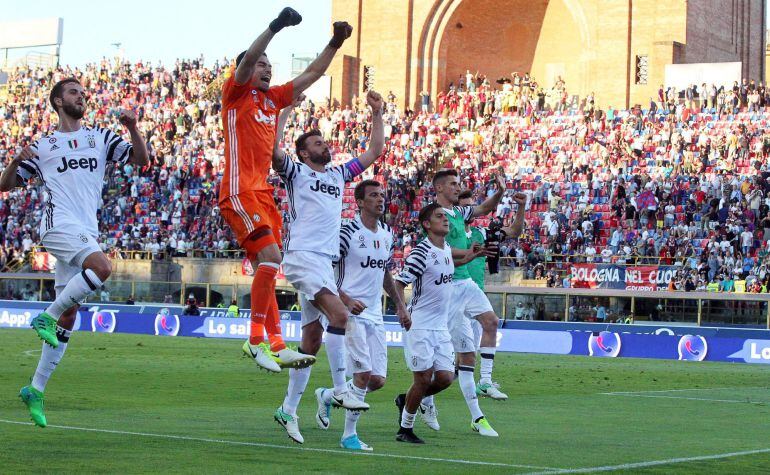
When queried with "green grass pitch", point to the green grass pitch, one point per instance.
{"points": [[139, 404]]}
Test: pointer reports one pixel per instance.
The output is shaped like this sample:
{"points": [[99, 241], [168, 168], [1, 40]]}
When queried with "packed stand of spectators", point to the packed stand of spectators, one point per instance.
{"points": [[170, 208], [684, 181]]}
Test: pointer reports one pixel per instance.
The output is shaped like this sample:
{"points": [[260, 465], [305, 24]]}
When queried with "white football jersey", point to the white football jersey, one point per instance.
{"points": [[430, 270], [71, 167], [365, 256], [315, 206]]}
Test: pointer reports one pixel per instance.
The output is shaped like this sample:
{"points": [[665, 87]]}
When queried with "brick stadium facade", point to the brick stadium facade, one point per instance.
{"points": [[409, 46]]}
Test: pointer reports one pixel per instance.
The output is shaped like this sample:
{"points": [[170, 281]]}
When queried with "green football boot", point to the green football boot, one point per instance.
{"points": [[34, 401], [45, 327]]}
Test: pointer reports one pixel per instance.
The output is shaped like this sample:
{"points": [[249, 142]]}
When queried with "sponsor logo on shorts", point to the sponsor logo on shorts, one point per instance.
{"points": [[256, 218], [604, 344], [83, 237], [692, 348]]}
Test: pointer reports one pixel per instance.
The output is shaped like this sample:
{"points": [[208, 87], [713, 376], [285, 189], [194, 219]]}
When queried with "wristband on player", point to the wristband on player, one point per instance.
{"points": [[355, 167]]}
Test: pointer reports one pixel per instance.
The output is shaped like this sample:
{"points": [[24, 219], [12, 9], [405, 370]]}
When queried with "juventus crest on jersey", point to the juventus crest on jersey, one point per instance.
{"points": [[430, 270], [315, 206], [71, 167], [365, 256]]}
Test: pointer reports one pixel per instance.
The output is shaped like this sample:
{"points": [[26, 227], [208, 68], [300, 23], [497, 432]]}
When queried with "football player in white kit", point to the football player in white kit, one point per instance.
{"points": [[427, 344], [70, 164], [312, 244], [366, 247]]}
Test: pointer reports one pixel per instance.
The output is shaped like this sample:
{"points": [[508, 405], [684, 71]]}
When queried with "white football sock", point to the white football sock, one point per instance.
{"points": [[75, 292], [335, 350], [468, 387], [407, 419], [298, 379], [487, 362], [351, 417], [49, 359]]}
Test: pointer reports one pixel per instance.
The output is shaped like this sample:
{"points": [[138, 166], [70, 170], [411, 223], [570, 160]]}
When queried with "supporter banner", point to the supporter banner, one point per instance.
{"points": [[614, 276], [43, 261], [585, 339]]}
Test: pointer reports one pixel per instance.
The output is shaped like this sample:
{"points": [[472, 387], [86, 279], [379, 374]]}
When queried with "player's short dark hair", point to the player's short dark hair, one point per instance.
{"points": [[239, 58], [58, 90], [426, 212], [465, 194], [440, 175], [360, 192], [300, 142]]}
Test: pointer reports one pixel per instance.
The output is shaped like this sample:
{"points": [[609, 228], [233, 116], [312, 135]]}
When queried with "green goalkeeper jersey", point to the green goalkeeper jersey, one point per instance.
{"points": [[477, 267], [458, 238]]}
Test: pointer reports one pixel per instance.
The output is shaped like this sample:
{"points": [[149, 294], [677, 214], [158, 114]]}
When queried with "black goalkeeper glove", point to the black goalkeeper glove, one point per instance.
{"points": [[287, 17], [342, 31]]}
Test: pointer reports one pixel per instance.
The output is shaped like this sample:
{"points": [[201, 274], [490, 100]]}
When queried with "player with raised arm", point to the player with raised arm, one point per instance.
{"points": [[249, 110], [70, 164], [471, 303], [315, 192], [366, 247], [427, 344]]}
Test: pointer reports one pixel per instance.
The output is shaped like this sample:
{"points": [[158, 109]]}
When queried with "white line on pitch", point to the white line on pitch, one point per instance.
{"points": [[683, 390], [659, 396], [653, 463], [288, 447]]}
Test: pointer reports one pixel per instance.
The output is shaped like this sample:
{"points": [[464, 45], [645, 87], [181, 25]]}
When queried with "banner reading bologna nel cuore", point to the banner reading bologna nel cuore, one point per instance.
{"points": [[615, 276]]}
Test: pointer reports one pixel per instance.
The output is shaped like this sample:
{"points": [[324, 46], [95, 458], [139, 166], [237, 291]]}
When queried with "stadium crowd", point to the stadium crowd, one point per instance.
{"points": [[684, 181]]}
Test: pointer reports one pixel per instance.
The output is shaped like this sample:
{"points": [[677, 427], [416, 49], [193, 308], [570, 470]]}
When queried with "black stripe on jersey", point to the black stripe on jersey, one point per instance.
{"points": [[415, 271], [344, 246], [419, 261], [290, 194], [111, 150], [340, 272], [28, 168], [106, 136], [125, 152], [416, 291]]}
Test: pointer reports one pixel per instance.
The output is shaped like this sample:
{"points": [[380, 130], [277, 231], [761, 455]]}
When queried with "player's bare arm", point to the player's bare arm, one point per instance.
{"points": [[464, 256], [400, 286], [9, 179], [515, 229], [139, 155], [377, 138], [354, 305], [389, 285], [283, 117], [490, 204], [341, 31], [244, 71]]}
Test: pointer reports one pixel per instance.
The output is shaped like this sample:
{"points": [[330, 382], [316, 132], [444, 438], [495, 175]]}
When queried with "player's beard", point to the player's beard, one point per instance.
{"points": [[74, 111], [320, 158]]}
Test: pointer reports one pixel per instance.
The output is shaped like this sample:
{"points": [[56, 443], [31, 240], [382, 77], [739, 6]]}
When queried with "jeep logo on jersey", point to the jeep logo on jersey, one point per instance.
{"points": [[443, 279], [324, 188], [373, 263], [89, 164]]}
